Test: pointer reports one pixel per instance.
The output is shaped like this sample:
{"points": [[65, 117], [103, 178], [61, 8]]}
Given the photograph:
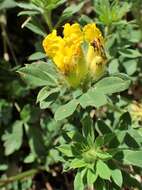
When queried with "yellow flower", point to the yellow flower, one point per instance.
{"points": [[65, 59], [72, 34], [136, 111], [68, 55], [52, 43], [91, 33]]}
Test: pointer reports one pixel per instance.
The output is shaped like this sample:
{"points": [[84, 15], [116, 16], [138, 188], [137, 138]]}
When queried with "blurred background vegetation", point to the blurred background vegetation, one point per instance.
{"points": [[28, 134]]}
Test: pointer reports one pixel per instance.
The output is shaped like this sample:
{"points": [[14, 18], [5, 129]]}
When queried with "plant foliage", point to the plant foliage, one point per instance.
{"points": [[93, 132]]}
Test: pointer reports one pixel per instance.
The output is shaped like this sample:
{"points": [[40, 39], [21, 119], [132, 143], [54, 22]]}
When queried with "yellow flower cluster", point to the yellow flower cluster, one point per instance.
{"points": [[66, 52]]}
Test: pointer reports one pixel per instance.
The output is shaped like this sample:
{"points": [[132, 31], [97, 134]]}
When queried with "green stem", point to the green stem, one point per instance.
{"points": [[48, 20], [20, 176], [6, 42], [58, 23], [11, 49], [106, 30], [3, 33]]}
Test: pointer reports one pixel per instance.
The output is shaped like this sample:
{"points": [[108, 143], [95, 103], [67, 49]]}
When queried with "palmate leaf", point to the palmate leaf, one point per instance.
{"points": [[97, 95], [108, 12], [13, 140], [48, 5]]}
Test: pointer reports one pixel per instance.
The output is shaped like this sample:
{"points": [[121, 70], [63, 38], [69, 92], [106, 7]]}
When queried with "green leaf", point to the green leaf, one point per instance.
{"points": [[103, 170], [132, 157], [35, 140], [113, 66], [78, 181], [66, 110], [93, 98], [91, 177], [35, 29], [46, 104], [47, 98], [3, 167], [60, 2], [111, 85], [103, 9], [25, 113], [13, 140], [130, 66], [65, 149], [108, 11], [100, 184], [36, 56], [29, 6], [123, 9], [30, 158], [48, 5], [28, 13], [104, 155], [57, 3], [77, 93], [7, 4], [77, 163], [117, 177], [88, 130], [84, 19], [38, 74], [102, 128], [29, 114], [69, 11], [130, 53], [99, 142], [46, 92]]}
